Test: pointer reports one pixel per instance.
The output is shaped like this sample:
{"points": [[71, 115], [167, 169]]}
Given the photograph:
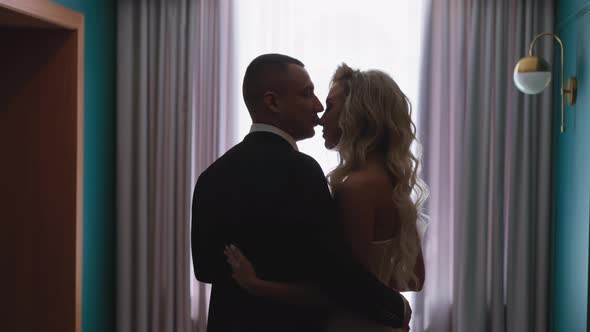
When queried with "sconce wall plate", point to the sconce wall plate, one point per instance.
{"points": [[572, 87]]}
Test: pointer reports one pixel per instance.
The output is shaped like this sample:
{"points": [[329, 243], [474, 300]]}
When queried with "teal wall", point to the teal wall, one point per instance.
{"points": [[571, 177], [98, 271]]}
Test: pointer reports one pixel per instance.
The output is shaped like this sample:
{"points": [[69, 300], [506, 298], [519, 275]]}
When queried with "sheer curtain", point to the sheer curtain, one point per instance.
{"points": [[155, 52], [487, 151], [214, 120]]}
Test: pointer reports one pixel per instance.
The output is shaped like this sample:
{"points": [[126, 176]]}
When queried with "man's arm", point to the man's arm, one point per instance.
{"points": [[206, 241], [338, 273]]}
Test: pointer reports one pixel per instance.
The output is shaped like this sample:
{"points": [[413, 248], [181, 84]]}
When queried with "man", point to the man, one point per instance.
{"points": [[273, 202]]}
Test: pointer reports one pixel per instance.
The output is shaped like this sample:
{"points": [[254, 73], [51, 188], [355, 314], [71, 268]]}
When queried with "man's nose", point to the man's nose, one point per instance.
{"points": [[318, 105]]}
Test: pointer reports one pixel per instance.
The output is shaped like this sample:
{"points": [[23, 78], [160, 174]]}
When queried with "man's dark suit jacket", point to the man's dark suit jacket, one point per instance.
{"points": [[273, 202]]}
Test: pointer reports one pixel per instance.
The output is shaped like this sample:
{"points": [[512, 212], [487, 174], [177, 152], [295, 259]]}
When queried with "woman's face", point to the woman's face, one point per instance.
{"points": [[329, 120]]}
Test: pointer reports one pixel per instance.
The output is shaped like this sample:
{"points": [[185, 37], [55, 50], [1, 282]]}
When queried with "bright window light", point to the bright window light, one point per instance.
{"points": [[369, 34]]}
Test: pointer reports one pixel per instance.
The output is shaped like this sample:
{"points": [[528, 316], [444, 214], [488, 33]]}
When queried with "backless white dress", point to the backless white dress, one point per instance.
{"points": [[381, 261]]}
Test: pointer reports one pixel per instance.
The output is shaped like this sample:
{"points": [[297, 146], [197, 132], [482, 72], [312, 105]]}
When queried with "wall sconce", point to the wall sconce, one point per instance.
{"points": [[532, 74]]}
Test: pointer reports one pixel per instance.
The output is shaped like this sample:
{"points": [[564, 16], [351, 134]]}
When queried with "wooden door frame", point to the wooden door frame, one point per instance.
{"points": [[48, 15]]}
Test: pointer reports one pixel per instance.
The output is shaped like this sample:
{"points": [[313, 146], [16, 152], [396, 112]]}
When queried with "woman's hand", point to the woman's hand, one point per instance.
{"points": [[291, 293], [243, 271]]}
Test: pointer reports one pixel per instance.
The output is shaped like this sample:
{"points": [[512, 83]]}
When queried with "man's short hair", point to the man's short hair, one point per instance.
{"points": [[263, 74]]}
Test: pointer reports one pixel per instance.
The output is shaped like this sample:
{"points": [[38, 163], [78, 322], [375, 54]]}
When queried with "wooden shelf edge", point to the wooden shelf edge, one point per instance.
{"points": [[46, 11]]}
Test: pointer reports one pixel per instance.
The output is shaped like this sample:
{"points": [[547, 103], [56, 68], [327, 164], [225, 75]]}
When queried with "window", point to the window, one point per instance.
{"points": [[369, 34], [379, 34]]}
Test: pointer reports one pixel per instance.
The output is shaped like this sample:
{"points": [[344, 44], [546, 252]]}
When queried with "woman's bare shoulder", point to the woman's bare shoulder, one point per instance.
{"points": [[366, 183]]}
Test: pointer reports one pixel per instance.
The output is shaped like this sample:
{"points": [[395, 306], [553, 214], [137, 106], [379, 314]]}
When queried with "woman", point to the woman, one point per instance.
{"points": [[375, 186]]}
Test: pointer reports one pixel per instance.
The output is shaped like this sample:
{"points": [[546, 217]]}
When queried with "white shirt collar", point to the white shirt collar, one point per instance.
{"points": [[272, 129]]}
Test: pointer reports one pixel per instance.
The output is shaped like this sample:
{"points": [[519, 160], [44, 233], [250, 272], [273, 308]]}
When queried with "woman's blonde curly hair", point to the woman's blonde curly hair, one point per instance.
{"points": [[376, 118]]}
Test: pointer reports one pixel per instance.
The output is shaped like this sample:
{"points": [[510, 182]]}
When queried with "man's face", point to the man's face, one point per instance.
{"points": [[298, 105]]}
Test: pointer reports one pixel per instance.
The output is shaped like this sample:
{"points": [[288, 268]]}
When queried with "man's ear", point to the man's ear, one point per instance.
{"points": [[271, 101]]}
